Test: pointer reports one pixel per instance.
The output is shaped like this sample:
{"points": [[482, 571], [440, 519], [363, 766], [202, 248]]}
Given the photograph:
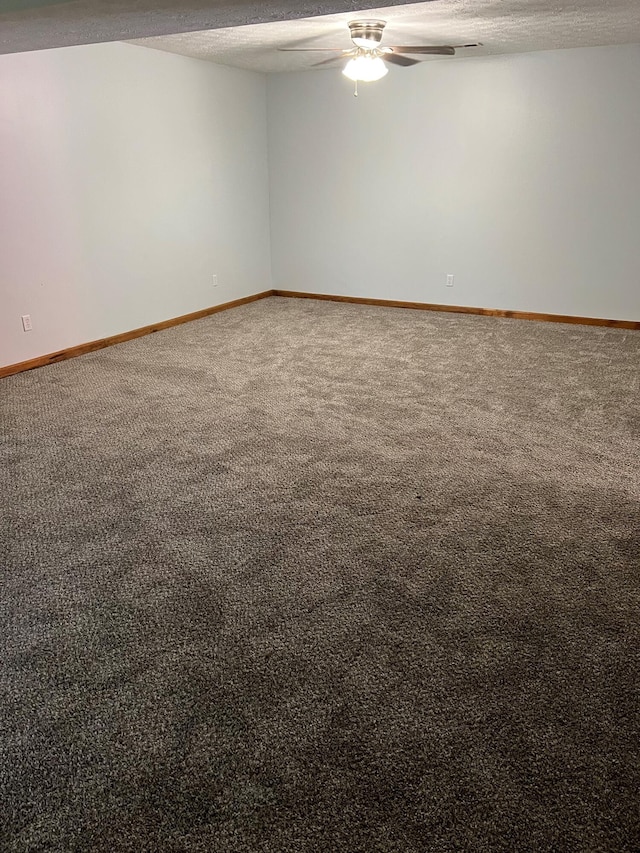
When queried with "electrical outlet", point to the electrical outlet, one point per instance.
{"points": [[449, 281], [26, 322], [215, 280]]}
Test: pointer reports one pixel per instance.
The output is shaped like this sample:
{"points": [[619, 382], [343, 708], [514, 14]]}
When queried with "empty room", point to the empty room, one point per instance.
{"points": [[319, 427]]}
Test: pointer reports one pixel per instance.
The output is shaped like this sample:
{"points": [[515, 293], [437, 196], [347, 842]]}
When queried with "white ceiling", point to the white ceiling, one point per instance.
{"points": [[38, 24], [503, 26]]}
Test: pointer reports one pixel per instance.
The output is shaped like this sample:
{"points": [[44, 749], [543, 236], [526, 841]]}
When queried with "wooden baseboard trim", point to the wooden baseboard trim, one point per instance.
{"points": [[92, 346], [465, 309]]}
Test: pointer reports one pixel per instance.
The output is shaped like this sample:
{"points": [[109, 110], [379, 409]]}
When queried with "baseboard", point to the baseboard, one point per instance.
{"points": [[92, 346], [465, 309]]}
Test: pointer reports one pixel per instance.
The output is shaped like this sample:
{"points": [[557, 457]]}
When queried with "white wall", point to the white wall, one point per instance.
{"points": [[128, 177], [520, 175]]}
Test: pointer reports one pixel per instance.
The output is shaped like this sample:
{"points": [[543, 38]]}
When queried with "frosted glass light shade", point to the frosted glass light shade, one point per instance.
{"points": [[365, 68]]}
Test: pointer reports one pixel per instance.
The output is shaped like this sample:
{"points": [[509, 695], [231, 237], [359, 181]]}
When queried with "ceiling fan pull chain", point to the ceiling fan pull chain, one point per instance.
{"points": [[355, 91]]}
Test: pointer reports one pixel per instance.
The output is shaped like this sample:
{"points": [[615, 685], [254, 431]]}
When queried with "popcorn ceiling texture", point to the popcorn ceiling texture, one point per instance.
{"points": [[504, 26], [509, 26], [308, 577], [89, 21]]}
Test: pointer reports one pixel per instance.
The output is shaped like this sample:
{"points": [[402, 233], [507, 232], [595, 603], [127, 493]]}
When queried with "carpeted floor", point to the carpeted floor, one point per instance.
{"points": [[307, 577]]}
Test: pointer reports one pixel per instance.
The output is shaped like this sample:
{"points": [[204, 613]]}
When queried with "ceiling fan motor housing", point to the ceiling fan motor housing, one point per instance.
{"points": [[366, 34]]}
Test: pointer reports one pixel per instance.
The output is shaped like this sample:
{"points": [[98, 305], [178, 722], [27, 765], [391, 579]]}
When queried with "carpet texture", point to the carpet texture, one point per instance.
{"points": [[307, 577]]}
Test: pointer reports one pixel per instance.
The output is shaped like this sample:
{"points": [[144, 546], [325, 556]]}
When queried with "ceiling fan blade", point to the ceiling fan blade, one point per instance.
{"points": [[396, 59], [328, 61], [317, 49], [438, 50]]}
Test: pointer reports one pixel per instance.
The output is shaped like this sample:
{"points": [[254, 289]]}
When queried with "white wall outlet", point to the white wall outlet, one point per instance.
{"points": [[449, 281], [215, 281], [26, 322]]}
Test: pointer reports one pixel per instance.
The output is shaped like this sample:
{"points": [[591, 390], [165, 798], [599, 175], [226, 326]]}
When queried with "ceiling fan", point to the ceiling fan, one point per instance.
{"points": [[367, 59]]}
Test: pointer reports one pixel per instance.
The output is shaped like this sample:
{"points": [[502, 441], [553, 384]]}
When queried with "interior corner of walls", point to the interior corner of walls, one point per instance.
{"points": [[519, 186]]}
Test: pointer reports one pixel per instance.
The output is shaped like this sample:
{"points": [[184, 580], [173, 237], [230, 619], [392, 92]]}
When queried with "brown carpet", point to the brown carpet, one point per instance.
{"points": [[316, 577]]}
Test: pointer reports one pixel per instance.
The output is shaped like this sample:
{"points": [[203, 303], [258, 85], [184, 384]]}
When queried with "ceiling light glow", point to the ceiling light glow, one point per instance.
{"points": [[365, 68]]}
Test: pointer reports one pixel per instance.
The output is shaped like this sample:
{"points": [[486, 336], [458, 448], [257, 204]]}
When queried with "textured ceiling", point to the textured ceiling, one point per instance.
{"points": [[503, 26], [213, 29], [38, 24]]}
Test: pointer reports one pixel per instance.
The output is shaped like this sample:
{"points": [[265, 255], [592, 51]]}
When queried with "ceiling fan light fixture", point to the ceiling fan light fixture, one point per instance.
{"points": [[366, 34], [366, 43], [365, 69]]}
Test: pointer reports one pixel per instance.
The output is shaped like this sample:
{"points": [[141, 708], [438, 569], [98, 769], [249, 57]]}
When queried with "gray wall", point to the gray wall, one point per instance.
{"points": [[128, 177], [518, 174]]}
